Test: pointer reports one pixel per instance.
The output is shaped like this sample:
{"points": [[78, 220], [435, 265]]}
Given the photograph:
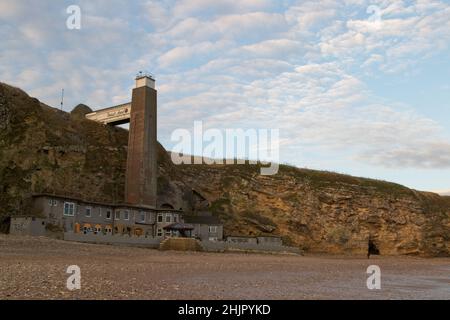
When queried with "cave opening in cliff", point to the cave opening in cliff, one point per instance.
{"points": [[373, 249]]}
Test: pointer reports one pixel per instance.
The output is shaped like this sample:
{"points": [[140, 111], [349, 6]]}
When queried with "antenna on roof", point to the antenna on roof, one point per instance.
{"points": [[143, 74], [62, 99]]}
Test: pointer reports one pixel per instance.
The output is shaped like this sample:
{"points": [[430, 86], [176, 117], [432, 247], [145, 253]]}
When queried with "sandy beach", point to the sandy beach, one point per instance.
{"points": [[35, 268]]}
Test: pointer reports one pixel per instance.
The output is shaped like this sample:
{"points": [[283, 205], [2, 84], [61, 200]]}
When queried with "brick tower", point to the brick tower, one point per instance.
{"points": [[141, 173]]}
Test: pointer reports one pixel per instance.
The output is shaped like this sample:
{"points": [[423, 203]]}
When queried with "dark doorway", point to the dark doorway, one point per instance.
{"points": [[5, 223], [373, 249]]}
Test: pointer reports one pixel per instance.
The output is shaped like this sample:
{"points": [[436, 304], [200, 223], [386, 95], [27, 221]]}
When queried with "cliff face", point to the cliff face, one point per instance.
{"points": [[46, 150], [327, 212]]}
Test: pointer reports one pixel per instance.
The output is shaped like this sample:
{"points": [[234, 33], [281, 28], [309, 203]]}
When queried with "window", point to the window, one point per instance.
{"points": [[55, 203], [88, 212], [212, 229], [108, 214], [126, 215], [87, 228], [142, 216], [117, 215], [160, 217], [168, 218], [52, 202], [69, 209], [159, 232], [175, 218]]}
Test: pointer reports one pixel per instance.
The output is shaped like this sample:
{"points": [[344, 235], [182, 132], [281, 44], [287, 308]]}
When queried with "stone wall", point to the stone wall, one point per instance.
{"points": [[183, 244], [228, 246], [27, 226], [113, 239]]}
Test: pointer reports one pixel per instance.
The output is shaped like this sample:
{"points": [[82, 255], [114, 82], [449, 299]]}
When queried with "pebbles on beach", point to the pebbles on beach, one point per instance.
{"points": [[35, 268]]}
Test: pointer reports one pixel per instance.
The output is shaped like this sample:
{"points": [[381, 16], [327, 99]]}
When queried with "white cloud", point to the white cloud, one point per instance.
{"points": [[419, 154], [319, 106], [185, 8], [157, 13], [244, 24], [301, 67], [310, 14], [11, 9], [402, 36], [273, 48], [443, 192], [181, 54]]}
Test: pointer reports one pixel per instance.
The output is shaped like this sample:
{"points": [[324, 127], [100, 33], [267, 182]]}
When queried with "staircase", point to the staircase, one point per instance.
{"points": [[181, 244]]}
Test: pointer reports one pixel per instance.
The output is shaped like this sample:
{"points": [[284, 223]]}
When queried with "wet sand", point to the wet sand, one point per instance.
{"points": [[35, 268]]}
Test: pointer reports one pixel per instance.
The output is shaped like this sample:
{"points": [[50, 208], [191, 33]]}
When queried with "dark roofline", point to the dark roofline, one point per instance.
{"points": [[179, 226], [112, 205], [28, 217], [144, 223], [211, 220]]}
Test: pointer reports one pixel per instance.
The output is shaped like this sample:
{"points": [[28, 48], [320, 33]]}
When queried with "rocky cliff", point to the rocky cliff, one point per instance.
{"points": [[43, 149]]}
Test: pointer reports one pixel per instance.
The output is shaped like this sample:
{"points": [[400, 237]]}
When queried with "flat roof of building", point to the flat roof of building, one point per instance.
{"points": [[202, 219], [179, 226]]}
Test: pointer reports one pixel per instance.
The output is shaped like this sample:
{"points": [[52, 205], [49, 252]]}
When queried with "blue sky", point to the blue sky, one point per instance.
{"points": [[355, 86]]}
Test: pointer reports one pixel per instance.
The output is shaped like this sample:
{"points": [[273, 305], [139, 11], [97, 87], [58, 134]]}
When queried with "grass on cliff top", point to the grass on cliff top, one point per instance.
{"points": [[316, 178], [333, 179]]}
